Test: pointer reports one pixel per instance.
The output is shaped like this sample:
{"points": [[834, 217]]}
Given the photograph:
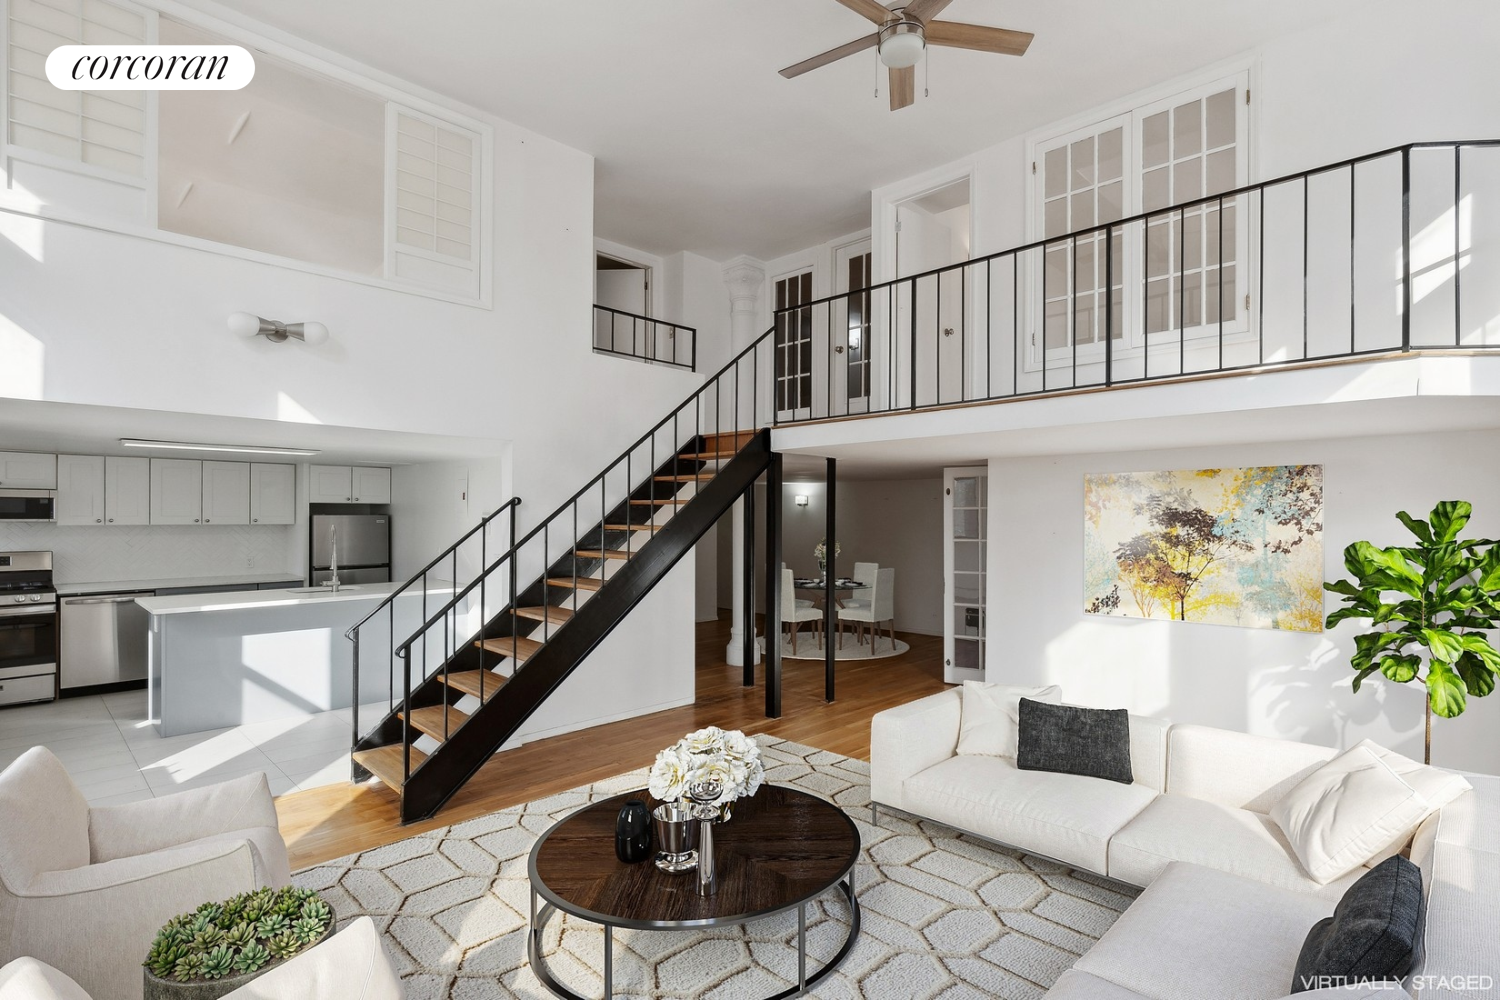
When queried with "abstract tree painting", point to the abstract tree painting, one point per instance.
{"points": [[1220, 546]]}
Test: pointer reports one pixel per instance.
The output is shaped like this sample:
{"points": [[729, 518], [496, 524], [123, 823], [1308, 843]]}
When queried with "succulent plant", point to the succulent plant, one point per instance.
{"points": [[239, 935], [252, 957], [219, 962]]}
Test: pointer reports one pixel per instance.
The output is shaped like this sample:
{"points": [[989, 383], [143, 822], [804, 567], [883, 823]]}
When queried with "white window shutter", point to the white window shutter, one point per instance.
{"points": [[432, 201], [106, 130]]}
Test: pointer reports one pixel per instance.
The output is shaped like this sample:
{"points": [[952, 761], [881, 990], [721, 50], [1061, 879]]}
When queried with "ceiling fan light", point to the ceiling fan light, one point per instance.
{"points": [[902, 44]]}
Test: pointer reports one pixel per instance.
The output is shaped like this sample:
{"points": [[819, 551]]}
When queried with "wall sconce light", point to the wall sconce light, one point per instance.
{"points": [[250, 325], [801, 500]]}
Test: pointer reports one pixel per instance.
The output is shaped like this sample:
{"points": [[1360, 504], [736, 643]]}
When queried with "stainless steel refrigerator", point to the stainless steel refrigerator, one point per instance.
{"points": [[364, 547]]}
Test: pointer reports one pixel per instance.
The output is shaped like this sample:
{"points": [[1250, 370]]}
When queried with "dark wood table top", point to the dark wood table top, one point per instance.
{"points": [[781, 848]]}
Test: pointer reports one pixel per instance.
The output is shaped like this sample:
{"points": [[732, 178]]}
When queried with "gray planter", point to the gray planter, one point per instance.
{"points": [[213, 989]]}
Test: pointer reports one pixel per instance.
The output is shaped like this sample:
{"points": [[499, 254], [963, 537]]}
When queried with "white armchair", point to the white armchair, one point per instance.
{"points": [[85, 890], [351, 965]]}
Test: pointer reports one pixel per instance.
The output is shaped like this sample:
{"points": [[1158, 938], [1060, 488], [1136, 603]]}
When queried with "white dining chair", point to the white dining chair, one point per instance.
{"points": [[792, 615], [881, 610], [802, 602], [864, 572]]}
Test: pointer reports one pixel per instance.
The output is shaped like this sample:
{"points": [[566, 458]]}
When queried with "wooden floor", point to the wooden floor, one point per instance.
{"points": [[332, 821]]}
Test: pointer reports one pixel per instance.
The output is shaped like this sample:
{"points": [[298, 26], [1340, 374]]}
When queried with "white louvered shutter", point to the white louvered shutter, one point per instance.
{"points": [[435, 174], [103, 129]]}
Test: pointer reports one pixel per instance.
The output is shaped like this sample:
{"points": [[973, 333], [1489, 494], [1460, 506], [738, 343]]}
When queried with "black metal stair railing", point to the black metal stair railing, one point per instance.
{"points": [[630, 335], [416, 592], [1380, 254]]}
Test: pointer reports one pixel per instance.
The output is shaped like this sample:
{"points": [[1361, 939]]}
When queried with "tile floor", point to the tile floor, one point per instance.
{"points": [[115, 755]]}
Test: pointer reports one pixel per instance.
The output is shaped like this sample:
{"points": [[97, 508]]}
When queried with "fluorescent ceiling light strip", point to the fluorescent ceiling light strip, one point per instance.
{"points": [[240, 449]]}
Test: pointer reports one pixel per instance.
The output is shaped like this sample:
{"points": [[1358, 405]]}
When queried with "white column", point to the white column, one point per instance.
{"points": [[744, 277]]}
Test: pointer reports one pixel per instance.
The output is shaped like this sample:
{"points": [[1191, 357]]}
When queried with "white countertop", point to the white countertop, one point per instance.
{"points": [[190, 603], [123, 586]]}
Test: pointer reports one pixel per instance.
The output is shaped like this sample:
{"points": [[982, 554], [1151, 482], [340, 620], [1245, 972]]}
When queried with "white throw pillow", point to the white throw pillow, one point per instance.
{"points": [[990, 719], [29, 979], [1437, 786], [1346, 812]]}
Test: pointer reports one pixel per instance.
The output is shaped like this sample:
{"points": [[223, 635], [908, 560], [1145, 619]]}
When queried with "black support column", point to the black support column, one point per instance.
{"points": [[748, 580], [830, 614], [773, 588]]}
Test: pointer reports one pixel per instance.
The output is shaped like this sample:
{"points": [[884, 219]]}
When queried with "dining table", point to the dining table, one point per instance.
{"points": [[841, 588]]}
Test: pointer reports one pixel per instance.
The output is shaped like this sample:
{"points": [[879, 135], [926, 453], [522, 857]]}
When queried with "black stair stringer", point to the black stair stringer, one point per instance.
{"points": [[448, 768]]}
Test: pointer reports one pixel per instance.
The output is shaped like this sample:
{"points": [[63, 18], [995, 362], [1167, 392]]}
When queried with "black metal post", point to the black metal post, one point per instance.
{"points": [[747, 580], [1406, 248], [773, 589], [830, 550]]}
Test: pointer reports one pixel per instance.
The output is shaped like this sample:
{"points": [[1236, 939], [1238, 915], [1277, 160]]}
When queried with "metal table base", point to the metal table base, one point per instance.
{"points": [[539, 918]]}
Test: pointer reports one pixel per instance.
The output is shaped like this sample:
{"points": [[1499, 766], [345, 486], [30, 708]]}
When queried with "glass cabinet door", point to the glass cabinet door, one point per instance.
{"points": [[965, 495]]}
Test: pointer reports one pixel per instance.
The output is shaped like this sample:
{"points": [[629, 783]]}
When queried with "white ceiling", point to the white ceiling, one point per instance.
{"points": [[702, 146], [78, 429]]}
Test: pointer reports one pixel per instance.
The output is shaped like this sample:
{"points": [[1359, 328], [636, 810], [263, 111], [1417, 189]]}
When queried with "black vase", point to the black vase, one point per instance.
{"points": [[633, 832]]}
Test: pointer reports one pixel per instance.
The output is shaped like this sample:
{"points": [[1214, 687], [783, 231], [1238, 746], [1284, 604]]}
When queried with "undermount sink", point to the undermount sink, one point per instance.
{"points": [[325, 589]]}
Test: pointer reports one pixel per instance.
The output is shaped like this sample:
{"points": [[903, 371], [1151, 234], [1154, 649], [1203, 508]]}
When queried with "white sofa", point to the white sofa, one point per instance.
{"points": [[351, 965], [1227, 905], [86, 889]]}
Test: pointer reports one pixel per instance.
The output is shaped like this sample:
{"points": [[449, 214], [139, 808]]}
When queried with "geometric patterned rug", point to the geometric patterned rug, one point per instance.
{"points": [[944, 915]]}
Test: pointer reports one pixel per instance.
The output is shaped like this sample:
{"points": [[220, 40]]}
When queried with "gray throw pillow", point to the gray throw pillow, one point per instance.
{"points": [[1093, 742], [1373, 935]]}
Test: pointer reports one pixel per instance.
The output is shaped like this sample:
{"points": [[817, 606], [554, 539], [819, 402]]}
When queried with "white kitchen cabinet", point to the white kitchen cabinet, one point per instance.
{"points": [[176, 491], [273, 494], [331, 484], [127, 490], [80, 489], [372, 485], [226, 493], [24, 471]]}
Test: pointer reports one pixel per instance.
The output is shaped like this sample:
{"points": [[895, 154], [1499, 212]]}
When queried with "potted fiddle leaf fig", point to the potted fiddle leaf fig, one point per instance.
{"points": [[219, 947], [1444, 601]]}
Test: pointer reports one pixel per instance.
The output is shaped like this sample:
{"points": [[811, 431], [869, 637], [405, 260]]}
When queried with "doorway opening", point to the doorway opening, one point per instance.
{"points": [[935, 354]]}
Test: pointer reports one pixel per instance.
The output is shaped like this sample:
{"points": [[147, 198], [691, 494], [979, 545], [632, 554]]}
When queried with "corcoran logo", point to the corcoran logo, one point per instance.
{"points": [[150, 67]]}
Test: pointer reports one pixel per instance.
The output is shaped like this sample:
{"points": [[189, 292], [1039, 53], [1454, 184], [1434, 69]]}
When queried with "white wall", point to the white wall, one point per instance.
{"points": [[433, 504], [1284, 684]]}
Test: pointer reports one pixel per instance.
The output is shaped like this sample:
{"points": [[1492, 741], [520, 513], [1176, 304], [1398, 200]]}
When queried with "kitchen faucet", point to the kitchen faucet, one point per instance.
{"points": [[333, 566]]}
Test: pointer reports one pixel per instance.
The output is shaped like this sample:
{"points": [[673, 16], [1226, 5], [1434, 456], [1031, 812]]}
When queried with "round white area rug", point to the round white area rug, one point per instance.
{"points": [[808, 648]]}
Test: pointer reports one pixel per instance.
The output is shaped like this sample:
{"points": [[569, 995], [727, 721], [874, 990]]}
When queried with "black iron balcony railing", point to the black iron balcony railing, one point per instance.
{"points": [[631, 336], [1384, 253]]}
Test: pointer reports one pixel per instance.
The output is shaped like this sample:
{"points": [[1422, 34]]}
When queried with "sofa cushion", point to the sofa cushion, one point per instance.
{"points": [[1237, 769], [1075, 985], [1345, 812], [1059, 816], [1178, 828], [1437, 786], [990, 713], [44, 819], [29, 979], [1196, 927], [1069, 739], [1373, 935]]}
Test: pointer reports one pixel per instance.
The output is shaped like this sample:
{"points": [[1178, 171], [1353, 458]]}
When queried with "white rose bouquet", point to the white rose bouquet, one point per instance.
{"points": [[711, 754], [820, 551]]}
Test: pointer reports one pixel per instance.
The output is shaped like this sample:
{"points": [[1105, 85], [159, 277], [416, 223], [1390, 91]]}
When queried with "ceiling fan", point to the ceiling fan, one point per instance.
{"points": [[904, 34]]}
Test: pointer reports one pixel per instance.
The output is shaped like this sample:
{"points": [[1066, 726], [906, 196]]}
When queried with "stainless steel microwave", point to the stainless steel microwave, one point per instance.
{"points": [[28, 505]]}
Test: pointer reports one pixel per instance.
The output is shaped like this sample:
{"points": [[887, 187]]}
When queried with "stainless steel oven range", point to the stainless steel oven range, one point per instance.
{"points": [[28, 628]]}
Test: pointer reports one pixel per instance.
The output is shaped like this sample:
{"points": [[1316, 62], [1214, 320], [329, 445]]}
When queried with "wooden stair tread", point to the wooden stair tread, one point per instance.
{"points": [[546, 613], [519, 648], [581, 583], [602, 553], [386, 763], [467, 681], [707, 456], [429, 720], [669, 501], [689, 477], [634, 527]]}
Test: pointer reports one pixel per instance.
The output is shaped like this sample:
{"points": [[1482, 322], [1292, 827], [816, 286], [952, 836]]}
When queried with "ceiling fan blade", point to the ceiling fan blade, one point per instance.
{"points": [[903, 87], [870, 9], [832, 55], [978, 37], [926, 10]]}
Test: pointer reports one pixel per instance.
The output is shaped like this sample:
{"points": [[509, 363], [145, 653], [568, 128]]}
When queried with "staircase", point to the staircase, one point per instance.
{"points": [[472, 673]]}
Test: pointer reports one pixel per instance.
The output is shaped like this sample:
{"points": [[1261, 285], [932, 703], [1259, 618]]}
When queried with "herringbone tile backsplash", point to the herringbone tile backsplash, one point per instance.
{"points": [[85, 554]]}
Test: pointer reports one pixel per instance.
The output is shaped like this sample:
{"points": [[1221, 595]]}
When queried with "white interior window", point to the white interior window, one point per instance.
{"points": [[431, 199], [1168, 275]]}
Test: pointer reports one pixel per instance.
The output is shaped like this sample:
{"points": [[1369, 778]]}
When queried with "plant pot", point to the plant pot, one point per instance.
{"points": [[213, 989]]}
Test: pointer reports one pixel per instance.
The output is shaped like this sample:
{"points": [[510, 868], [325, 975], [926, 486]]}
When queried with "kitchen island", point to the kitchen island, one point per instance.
{"points": [[227, 659]]}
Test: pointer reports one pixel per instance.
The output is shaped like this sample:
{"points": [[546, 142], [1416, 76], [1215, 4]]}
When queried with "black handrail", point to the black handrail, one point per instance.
{"points": [[1135, 327], [648, 352]]}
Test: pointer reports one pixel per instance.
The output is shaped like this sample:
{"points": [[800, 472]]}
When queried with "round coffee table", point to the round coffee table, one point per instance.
{"points": [[781, 850]]}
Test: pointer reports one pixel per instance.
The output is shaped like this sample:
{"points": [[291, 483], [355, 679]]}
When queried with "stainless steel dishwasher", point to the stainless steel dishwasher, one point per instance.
{"points": [[103, 640]]}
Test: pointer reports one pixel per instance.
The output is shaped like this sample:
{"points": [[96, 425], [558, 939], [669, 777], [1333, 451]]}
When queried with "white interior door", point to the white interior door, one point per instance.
{"points": [[796, 377], [929, 363], [965, 499], [625, 289], [854, 334]]}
